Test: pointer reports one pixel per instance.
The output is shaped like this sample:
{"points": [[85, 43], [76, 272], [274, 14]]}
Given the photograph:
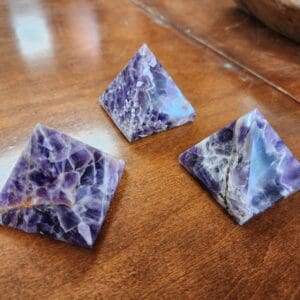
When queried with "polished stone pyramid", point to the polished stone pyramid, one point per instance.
{"points": [[143, 99], [60, 187], [245, 166]]}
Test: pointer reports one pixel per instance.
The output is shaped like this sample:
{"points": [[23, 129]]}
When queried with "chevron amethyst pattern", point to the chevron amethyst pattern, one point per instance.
{"points": [[245, 166], [60, 187], [143, 99]]}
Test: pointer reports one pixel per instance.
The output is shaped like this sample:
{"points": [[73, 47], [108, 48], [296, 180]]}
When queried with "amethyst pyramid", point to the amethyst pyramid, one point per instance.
{"points": [[245, 166], [143, 99], [60, 187]]}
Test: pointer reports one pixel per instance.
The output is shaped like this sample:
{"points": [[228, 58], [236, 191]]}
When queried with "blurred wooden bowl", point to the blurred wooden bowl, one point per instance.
{"points": [[281, 15]]}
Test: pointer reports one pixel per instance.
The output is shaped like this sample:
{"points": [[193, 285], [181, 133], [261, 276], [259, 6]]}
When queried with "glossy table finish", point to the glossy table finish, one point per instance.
{"points": [[164, 236], [240, 38]]}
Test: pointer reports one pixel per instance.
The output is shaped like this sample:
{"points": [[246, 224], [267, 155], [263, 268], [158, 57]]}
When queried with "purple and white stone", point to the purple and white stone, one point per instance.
{"points": [[143, 99], [60, 187], [245, 166]]}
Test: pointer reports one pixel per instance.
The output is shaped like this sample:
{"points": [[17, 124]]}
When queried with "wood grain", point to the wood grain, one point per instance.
{"points": [[225, 29], [164, 236]]}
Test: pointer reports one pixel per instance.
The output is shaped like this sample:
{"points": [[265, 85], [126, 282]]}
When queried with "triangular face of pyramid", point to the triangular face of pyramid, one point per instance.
{"points": [[245, 166], [60, 187], [143, 99], [274, 171]]}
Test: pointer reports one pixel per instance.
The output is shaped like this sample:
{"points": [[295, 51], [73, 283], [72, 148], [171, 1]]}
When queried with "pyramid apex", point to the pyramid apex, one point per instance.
{"points": [[38, 125], [144, 50], [144, 46], [256, 111]]}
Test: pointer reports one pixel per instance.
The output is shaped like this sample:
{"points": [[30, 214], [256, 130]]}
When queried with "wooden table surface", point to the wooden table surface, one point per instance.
{"points": [[164, 236], [240, 38]]}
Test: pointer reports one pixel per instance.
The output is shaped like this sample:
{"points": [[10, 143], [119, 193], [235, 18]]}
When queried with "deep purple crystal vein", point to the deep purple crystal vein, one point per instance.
{"points": [[60, 187], [245, 166], [143, 99]]}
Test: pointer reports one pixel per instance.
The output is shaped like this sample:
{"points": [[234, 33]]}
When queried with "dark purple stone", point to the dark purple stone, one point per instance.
{"points": [[60, 187]]}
